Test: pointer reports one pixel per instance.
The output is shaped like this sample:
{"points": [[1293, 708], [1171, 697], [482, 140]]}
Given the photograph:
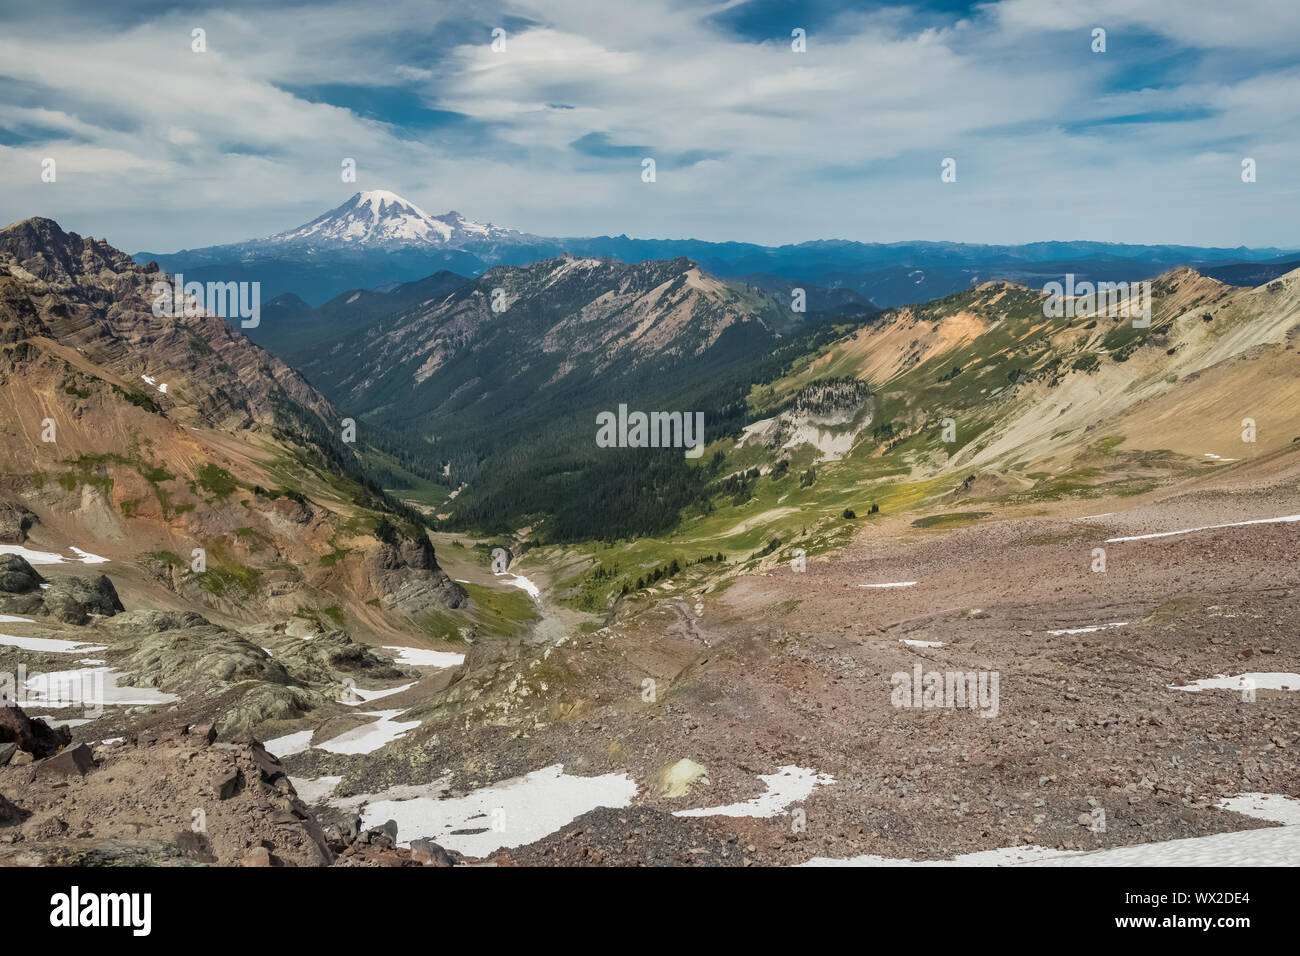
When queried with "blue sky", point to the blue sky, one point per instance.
{"points": [[158, 147]]}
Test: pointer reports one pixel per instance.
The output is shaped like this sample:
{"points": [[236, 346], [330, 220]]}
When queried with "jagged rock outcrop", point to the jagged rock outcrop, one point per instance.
{"points": [[15, 521], [70, 287], [405, 573], [163, 424], [17, 576], [191, 801]]}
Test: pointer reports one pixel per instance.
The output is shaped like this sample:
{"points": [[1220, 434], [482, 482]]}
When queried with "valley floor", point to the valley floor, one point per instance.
{"points": [[773, 709], [773, 722]]}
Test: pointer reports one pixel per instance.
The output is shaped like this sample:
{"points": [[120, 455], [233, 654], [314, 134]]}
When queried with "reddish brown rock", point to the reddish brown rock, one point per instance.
{"points": [[74, 761]]}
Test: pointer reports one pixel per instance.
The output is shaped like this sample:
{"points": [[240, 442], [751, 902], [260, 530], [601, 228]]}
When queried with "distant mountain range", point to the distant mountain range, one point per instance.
{"points": [[377, 238]]}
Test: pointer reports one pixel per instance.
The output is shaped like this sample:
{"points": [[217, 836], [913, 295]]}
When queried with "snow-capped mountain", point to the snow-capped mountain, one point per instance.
{"points": [[377, 239], [377, 217]]}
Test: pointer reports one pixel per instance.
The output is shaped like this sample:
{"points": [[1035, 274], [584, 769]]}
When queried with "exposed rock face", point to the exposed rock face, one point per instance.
{"points": [[327, 655], [85, 289], [160, 422], [247, 684], [406, 575], [15, 520], [419, 592]]}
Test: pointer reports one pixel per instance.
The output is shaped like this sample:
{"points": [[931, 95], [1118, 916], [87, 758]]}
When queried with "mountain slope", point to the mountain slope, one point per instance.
{"points": [[291, 328], [979, 404], [469, 384], [142, 438]]}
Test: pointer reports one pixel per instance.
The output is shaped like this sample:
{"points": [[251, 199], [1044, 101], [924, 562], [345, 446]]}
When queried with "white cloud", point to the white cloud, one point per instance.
{"points": [[160, 148]]}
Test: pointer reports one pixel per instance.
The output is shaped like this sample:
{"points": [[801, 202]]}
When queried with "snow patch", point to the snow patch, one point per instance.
{"points": [[519, 581], [290, 744], [1255, 680], [1089, 629], [1208, 527], [369, 738], [420, 657], [49, 557], [49, 645], [788, 785], [513, 813]]}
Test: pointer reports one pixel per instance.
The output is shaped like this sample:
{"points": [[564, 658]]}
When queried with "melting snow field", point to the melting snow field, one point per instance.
{"points": [[315, 789], [1208, 527], [1262, 681], [365, 696], [10, 619], [788, 785], [369, 738], [419, 657], [513, 813], [1270, 846], [1090, 629], [519, 581], [290, 744], [48, 644], [921, 643], [892, 584], [359, 740], [1264, 806], [83, 687], [49, 557]]}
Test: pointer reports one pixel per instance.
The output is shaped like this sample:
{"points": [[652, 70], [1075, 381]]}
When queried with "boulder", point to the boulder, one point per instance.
{"points": [[257, 856], [203, 734], [268, 765], [73, 762], [225, 784], [73, 600], [34, 737], [17, 576], [430, 854]]}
